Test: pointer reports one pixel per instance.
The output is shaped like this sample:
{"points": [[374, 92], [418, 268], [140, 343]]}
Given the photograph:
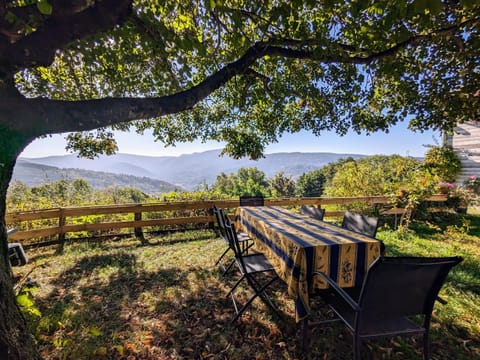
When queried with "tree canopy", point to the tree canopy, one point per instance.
{"points": [[237, 71]]}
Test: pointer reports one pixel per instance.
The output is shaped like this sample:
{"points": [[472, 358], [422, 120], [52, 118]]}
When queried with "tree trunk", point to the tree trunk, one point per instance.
{"points": [[15, 340]]}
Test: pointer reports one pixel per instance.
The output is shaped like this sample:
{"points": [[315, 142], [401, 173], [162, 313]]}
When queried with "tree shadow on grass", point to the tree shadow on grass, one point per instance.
{"points": [[109, 307], [175, 313]]}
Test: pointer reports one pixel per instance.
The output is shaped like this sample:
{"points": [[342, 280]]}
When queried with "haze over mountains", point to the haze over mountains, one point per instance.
{"points": [[187, 171]]}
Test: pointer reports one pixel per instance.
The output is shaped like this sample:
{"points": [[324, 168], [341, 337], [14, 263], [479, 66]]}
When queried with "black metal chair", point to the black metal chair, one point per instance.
{"points": [[252, 200], [360, 223], [16, 254], [312, 211], [251, 266], [395, 290], [245, 241], [363, 224]]}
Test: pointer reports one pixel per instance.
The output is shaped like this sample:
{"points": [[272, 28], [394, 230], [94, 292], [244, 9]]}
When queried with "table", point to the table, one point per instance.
{"points": [[298, 245]]}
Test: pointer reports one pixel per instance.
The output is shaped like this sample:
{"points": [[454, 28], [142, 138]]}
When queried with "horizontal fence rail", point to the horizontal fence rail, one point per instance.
{"points": [[167, 215]]}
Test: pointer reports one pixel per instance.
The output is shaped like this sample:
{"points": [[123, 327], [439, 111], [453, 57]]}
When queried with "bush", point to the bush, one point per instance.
{"points": [[444, 162]]}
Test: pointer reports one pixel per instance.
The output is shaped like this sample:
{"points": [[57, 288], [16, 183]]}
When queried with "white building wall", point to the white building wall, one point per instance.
{"points": [[466, 143]]}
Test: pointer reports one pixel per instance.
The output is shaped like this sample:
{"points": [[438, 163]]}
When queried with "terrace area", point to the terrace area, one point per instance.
{"points": [[165, 299]]}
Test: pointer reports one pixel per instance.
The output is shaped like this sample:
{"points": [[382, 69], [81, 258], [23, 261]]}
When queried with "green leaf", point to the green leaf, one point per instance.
{"points": [[44, 7], [468, 4], [435, 6], [94, 332], [418, 7], [24, 300]]}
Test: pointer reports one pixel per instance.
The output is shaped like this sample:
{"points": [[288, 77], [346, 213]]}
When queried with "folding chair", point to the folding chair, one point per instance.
{"points": [[312, 211], [395, 290], [245, 241], [251, 266], [252, 200]]}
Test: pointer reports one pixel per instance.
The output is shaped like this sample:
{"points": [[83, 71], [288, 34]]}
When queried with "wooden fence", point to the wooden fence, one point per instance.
{"points": [[168, 215]]}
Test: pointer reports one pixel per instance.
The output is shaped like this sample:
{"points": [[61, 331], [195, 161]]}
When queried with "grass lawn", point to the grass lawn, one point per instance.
{"points": [[166, 300]]}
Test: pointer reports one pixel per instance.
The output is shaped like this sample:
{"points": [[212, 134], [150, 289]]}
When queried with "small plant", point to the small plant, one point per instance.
{"points": [[446, 187], [472, 184], [466, 195], [26, 303], [457, 232]]}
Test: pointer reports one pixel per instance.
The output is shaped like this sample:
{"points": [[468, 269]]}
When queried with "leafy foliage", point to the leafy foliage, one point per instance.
{"points": [[311, 184], [282, 186], [374, 175], [247, 181], [264, 69], [403, 178], [444, 162]]}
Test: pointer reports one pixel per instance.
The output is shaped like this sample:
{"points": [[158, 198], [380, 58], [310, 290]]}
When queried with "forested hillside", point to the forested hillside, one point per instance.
{"points": [[190, 170], [32, 174]]}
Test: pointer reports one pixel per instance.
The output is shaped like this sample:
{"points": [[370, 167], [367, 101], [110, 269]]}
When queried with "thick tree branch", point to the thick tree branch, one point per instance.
{"points": [[39, 47], [63, 116]]}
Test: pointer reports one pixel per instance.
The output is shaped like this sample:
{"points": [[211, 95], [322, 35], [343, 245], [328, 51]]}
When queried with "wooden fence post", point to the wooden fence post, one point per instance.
{"points": [[211, 224], [61, 234], [139, 230]]}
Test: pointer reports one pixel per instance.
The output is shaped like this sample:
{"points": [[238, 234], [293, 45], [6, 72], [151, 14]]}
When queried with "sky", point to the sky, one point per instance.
{"points": [[399, 141]]}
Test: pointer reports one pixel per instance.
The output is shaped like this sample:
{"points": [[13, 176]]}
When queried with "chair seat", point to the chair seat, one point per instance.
{"points": [[256, 263], [370, 328], [390, 327], [242, 236]]}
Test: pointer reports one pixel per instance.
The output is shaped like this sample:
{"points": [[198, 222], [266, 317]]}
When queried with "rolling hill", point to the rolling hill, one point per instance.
{"points": [[33, 174], [186, 171]]}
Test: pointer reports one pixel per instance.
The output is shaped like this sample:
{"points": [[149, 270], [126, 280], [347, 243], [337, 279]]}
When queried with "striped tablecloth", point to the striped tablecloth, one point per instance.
{"points": [[297, 245]]}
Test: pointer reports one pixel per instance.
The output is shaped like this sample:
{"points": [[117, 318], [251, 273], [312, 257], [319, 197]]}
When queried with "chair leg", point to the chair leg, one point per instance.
{"points": [[426, 348], [221, 256], [306, 335], [260, 292], [227, 269], [266, 299], [263, 296], [357, 347], [235, 286], [245, 306]]}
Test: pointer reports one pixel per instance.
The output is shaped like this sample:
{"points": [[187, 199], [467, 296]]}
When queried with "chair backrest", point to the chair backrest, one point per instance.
{"points": [[220, 216], [360, 223], [234, 243], [252, 200], [402, 286], [312, 211]]}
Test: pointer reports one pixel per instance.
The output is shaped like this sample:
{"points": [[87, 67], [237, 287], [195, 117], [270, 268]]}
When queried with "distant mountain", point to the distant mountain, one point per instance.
{"points": [[33, 174], [191, 170]]}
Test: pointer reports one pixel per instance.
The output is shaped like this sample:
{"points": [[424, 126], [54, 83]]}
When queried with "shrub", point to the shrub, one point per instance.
{"points": [[444, 162]]}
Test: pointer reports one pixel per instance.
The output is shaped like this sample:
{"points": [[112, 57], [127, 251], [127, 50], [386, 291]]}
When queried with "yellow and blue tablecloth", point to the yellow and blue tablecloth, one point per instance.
{"points": [[297, 246]]}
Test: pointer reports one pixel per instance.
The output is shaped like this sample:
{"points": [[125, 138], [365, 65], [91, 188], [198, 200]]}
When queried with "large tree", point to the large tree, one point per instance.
{"points": [[243, 72]]}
